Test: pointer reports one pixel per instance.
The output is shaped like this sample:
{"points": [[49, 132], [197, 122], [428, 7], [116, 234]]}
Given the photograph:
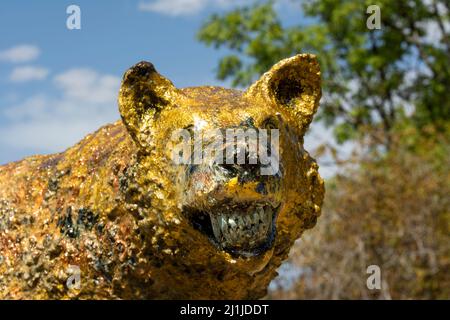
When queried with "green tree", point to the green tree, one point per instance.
{"points": [[371, 78]]}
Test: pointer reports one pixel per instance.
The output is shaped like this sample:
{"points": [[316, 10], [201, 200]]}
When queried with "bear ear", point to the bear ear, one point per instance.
{"points": [[294, 84], [143, 94]]}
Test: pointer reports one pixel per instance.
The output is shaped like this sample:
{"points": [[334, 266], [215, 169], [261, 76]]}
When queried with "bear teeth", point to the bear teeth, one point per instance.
{"points": [[242, 230]]}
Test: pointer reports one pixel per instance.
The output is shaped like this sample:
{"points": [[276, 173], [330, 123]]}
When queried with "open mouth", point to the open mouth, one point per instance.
{"points": [[245, 229]]}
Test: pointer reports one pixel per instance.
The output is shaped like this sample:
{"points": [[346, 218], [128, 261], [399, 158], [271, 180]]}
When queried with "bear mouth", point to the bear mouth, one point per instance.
{"points": [[241, 229]]}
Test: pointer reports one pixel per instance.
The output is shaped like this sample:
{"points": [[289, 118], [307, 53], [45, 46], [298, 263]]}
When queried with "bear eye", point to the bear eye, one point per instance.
{"points": [[189, 128], [270, 123]]}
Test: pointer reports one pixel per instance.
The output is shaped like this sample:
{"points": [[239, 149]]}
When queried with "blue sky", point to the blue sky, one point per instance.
{"points": [[57, 85]]}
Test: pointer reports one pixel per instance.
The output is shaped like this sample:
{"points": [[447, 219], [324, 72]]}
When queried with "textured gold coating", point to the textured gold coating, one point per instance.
{"points": [[112, 204]]}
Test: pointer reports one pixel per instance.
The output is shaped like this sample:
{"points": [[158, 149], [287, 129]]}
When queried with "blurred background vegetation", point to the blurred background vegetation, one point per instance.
{"points": [[386, 91]]}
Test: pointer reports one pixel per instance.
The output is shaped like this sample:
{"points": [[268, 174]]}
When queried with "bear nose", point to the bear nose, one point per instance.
{"points": [[244, 166], [243, 172], [222, 182]]}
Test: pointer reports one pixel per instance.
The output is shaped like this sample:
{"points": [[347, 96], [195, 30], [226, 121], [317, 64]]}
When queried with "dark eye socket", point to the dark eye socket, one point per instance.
{"points": [[190, 128], [270, 123]]}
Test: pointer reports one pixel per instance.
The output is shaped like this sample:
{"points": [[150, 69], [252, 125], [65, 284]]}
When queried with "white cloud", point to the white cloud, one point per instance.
{"points": [[28, 73], [185, 7], [87, 85], [48, 123], [174, 7], [20, 53]]}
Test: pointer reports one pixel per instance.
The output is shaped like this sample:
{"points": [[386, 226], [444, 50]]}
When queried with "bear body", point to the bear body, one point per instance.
{"points": [[114, 217]]}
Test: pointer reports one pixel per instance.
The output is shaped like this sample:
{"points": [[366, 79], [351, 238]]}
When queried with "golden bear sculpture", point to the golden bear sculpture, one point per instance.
{"points": [[116, 217]]}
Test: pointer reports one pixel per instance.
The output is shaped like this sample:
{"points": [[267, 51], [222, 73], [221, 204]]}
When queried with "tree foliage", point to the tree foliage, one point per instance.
{"points": [[372, 78]]}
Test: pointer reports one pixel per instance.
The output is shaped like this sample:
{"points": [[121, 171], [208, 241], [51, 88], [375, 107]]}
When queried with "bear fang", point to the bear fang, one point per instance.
{"points": [[197, 310]]}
